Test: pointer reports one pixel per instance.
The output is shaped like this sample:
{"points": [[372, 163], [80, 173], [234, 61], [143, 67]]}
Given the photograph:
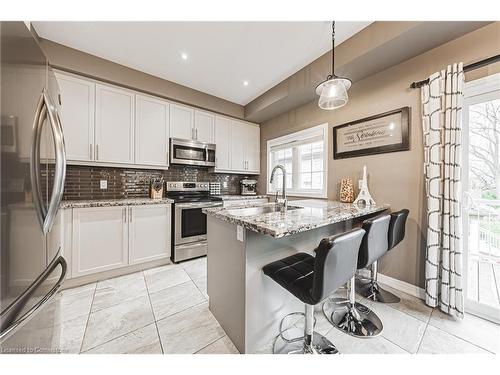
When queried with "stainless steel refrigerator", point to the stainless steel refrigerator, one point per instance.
{"points": [[33, 170]]}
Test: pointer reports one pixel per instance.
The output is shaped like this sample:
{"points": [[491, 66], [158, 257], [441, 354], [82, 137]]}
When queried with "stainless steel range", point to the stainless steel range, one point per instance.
{"points": [[189, 223]]}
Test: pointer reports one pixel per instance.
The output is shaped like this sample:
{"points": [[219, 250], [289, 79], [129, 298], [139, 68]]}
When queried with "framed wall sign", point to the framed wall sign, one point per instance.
{"points": [[386, 132]]}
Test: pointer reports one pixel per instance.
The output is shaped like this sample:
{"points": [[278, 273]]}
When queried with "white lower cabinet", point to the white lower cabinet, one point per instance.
{"points": [[100, 239], [149, 233], [105, 238]]}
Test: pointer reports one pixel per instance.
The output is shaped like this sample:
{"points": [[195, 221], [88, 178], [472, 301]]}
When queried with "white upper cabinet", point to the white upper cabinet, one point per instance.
{"points": [[238, 141], [204, 126], [181, 121], [151, 131], [77, 116], [222, 143], [245, 147], [114, 124], [252, 150]]}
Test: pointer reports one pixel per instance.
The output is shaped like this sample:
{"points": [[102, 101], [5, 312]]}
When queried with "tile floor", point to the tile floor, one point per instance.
{"points": [[165, 310], [412, 327]]}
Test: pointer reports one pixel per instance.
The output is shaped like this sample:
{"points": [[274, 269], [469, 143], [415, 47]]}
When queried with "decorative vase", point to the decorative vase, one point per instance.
{"points": [[346, 191]]}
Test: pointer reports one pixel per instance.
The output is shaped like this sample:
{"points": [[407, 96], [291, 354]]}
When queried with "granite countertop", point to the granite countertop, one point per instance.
{"points": [[314, 213], [113, 202], [231, 197]]}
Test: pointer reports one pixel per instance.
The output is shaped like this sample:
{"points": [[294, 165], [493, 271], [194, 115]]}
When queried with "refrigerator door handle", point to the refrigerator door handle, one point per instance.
{"points": [[60, 165], [46, 110], [35, 161], [10, 312]]}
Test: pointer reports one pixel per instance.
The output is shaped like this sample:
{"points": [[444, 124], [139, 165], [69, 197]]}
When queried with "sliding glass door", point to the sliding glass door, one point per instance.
{"points": [[481, 185]]}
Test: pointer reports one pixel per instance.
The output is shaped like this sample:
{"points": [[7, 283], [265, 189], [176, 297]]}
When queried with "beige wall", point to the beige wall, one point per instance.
{"points": [[394, 178], [80, 62]]}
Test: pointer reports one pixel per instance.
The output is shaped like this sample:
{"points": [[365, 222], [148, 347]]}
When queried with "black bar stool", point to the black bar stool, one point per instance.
{"points": [[371, 289], [348, 315], [311, 280]]}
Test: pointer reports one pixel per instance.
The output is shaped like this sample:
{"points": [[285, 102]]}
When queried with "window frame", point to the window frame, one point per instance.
{"points": [[318, 130]]}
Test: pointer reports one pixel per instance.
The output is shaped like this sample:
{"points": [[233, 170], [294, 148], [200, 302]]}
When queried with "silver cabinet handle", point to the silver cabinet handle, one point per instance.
{"points": [[97, 152], [91, 152], [8, 326], [125, 218], [46, 110], [196, 133], [130, 214]]}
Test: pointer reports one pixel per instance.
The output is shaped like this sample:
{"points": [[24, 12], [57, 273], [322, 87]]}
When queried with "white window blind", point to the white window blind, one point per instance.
{"points": [[303, 154]]}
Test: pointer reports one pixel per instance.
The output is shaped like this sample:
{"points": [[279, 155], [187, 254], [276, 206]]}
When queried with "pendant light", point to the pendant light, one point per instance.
{"points": [[333, 91]]}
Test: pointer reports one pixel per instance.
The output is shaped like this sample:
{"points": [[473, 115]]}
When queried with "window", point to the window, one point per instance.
{"points": [[481, 188], [303, 154]]}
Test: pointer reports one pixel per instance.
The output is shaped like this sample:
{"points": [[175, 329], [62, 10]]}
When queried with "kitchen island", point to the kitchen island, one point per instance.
{"points": [[247, 304]]}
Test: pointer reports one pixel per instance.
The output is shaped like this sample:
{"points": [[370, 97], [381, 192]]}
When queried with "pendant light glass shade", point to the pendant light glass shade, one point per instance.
{"points": [[333, 93]]}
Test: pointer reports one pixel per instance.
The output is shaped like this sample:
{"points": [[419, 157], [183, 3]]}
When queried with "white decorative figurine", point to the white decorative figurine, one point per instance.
{"points": [[364, 194]]}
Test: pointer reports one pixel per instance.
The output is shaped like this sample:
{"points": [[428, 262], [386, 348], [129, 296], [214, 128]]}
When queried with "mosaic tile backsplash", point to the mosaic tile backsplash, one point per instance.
{"points": [[83, 182]]}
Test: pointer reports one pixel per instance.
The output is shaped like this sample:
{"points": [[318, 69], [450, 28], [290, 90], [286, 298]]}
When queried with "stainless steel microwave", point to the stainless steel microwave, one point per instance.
{"points": [[188, 152]]}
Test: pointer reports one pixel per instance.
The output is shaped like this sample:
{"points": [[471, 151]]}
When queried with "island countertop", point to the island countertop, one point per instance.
{"points": [[314, 213]]}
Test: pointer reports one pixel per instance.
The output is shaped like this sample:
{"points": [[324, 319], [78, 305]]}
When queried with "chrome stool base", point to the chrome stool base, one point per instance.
{"points": [[290, 339], [355, 320], [320, 345], [374, 292]]}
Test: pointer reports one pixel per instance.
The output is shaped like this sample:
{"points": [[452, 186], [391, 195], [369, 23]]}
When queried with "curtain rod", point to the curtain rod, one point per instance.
{"points": [[476, 65]]}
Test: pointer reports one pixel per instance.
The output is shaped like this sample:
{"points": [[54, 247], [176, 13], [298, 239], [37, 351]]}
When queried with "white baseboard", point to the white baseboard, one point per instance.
{"points": [[471, 307], [402, 286]]}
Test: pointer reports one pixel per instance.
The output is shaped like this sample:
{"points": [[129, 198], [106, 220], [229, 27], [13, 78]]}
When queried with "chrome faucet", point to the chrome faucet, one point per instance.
{"points": [[283, 201]]}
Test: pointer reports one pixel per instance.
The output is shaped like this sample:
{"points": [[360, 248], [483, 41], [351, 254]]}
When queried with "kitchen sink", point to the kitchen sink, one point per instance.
{"points": [[260, 210]]}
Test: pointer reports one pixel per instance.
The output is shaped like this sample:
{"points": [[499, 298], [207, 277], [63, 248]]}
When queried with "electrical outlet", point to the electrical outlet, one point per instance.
{"points": [[103, 184]]}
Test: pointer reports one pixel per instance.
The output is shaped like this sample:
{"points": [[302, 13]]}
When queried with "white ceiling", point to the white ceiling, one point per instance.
{"points": [[221, 55]]}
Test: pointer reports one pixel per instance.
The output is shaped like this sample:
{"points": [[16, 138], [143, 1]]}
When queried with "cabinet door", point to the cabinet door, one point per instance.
{"points": [[151, 131], [238, 142], [100, 239], [252, 150], [77, 116], [114, 125], [204, 126], [149, 233], [181, 121], [222, 142]]}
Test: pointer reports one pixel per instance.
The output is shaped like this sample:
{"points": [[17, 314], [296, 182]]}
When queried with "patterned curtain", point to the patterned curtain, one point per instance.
{"points": [[442, 126]]}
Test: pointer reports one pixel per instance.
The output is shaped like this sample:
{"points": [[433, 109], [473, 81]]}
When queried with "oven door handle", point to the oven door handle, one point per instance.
{"points": [[197, 204]]}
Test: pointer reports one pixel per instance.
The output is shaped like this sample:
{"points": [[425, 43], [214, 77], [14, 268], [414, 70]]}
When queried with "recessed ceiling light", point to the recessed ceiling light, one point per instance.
{"points": [[184, 56], [245, 83]]}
